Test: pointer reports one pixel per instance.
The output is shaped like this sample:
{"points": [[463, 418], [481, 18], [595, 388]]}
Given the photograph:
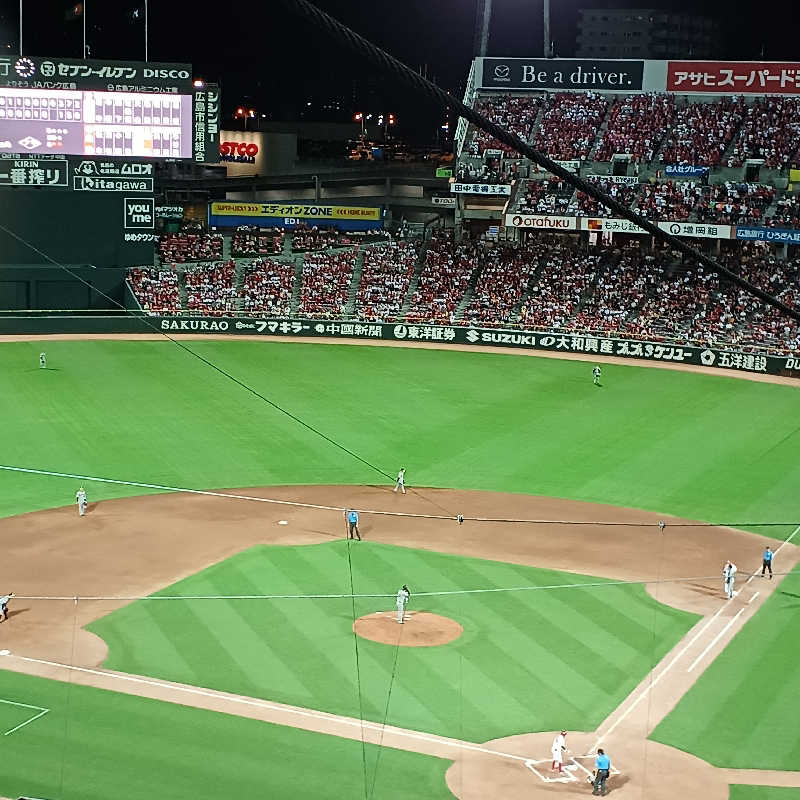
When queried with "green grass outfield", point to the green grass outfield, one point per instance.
{"points": [[749, 695], [697, 446], [693, 445], [528, 661], [763, 793], [97, 745]]}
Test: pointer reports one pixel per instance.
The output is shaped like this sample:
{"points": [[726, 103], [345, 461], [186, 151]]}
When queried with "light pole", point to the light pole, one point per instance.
{"points": [[546, 28]]}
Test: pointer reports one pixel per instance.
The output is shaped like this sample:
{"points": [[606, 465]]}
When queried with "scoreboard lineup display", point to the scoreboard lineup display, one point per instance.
{"points": [[79, 142], [90, 123]]}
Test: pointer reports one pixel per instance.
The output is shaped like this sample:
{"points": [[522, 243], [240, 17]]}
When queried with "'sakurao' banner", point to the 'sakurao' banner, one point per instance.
{"points": [[734, 77], [297, 211]]}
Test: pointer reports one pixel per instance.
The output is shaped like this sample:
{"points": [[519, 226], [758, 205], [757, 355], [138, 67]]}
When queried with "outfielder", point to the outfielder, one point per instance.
{"points": [[558, 748], [42, 360], [80, 499], [596, 375], [729, 578], [402, 599], [401, 480]]}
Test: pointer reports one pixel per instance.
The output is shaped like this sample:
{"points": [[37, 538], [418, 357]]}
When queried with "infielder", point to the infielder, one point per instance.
{"points": [[80, 499], [558, 748], [401, 481], [352, 524], [596, 375], [402, 599], [42, 360], [729, 578], [4, 605]]}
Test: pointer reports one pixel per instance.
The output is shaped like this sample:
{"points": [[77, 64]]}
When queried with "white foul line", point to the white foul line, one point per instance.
{"points": [[753, 598], [716, 639], [401, 732], [42, 711]]}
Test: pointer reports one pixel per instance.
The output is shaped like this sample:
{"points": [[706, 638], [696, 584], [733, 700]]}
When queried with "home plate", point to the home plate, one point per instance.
{"points": [[283, 522], [571, 767]]}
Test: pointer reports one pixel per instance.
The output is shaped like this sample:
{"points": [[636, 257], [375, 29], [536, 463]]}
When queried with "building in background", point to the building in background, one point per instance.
{"points": [[646, 33]]}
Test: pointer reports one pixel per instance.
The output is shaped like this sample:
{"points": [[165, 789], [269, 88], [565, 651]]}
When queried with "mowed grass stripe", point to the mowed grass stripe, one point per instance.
{"points": [[748, 696], [115, 745], [511, 644]]}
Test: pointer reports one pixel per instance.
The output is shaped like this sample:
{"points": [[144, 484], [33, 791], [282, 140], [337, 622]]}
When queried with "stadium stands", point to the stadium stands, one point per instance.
{"points": [[771, 131], [156, 291], [636, 127], [326, 282], [516, 114], [385, 276], [254, 241], [671, 200], [178, 248], [585, 206], [570, 124], [267, 287], [735, 203], [210, 288]]}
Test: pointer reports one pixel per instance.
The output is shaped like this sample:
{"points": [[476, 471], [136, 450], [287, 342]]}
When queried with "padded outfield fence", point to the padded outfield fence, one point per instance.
{"points": [[590, 345]]}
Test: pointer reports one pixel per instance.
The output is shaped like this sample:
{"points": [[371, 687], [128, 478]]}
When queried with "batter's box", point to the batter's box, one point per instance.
{"points": [[33, 713], [574, 771]]}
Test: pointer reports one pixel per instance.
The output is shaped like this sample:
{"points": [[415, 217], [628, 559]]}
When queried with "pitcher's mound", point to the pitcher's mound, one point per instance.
{"points": [[420, 629]]}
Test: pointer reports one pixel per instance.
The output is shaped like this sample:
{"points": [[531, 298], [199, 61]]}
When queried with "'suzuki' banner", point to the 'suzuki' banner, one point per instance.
{"points": [[733, 77]]}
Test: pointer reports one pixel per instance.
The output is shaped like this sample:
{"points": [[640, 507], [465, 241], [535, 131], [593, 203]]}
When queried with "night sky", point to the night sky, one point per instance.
{"points": [[267, 59]]}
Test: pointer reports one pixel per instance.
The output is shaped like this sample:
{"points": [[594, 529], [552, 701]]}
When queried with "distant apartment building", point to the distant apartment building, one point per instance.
{"points": [[646, 33]]}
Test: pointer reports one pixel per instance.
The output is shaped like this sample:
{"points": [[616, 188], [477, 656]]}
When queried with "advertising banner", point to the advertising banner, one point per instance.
{"points": [[570, 166], [491, 337], [444, 172], [34, 172], [31, 72], [449, 202], [290, 215], [243, 152], [775, 235], [561, 73], [734, 77], [703, 231], [97, 175], [684, 170], [541, 222], [626, 180], [207, 105], [481, 188]]}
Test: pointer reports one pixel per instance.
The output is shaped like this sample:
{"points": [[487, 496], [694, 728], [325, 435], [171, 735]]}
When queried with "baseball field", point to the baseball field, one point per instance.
{"points": [[207, 629]]}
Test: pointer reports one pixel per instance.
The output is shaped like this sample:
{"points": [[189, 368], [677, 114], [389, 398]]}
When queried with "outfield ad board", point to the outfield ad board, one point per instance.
{"points": [[292, 215]]}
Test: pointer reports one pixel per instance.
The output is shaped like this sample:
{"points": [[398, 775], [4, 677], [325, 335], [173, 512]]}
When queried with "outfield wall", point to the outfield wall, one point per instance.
{"points": [[442, 335]]}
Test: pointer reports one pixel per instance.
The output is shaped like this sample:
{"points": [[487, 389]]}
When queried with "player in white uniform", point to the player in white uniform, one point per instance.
{"points": [[596, 375], [729, 578], [401, 481], [42, 360], [80, 499], [402, 599], [558, 748]]}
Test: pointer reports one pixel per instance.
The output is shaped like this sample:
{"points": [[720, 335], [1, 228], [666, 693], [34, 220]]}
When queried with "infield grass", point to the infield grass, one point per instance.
{"points": [[528, 661], [96, 745], [742, 712]]}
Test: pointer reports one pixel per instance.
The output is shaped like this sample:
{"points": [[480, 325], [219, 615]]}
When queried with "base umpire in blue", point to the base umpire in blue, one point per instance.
{"points": [[352, 524]]}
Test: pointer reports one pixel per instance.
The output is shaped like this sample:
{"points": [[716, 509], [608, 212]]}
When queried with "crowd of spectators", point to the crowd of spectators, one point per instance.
{"points": [[563, 280], [444, 279], [621, 289], [267, 287], [156, 291], [506, 271], [671, 201], [326, 283], [570, 124], [583, 205], [515, 114], [549, 195], [636, 126], [487, 170], [771, 130], [787, 213], [178, 248], [735, 203], [385, 276], [308, 239], [253, 241], [211, 289], [703, 131]]}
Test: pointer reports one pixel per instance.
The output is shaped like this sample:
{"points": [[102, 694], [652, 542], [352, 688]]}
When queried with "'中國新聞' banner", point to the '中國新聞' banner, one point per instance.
{"points": [[32, 72], [561, 73], [734, 77]]}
